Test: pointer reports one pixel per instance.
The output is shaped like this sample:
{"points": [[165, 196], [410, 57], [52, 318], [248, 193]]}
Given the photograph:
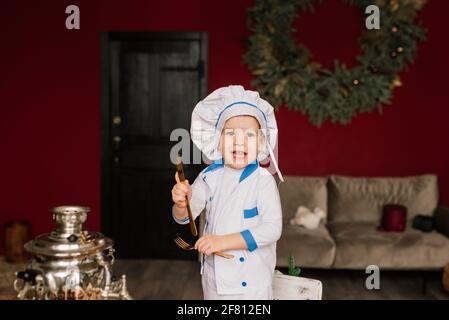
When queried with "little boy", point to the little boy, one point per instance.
{"points": [[238, 129]]}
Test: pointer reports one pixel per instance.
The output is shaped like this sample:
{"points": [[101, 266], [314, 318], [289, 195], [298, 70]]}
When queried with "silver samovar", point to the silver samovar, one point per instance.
{"points": [[70, 263]]}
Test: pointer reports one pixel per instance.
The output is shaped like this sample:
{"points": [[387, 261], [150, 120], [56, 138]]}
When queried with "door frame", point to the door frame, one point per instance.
{"points": [[106, 144]]}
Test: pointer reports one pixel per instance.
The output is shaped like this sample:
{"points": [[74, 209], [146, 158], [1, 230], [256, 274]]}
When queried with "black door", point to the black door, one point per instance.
{"points": [[151, 83]]}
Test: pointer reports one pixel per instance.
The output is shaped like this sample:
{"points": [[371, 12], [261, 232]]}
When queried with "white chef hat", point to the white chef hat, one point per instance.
{"points": [[210, 115]]}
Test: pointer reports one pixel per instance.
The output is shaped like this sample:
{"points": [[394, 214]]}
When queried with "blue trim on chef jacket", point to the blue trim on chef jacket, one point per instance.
{"points": [[249, 213], [216, 165], [249, 239], [240, 102], [180, 220], [248, 170]]}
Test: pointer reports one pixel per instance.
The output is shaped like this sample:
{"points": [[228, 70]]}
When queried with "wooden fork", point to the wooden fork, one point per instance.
{"points": [[184, 245]]}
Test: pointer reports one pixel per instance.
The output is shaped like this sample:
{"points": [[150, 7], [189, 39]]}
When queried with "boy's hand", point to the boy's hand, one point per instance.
{"points": [[180, 191], [209, 244]]}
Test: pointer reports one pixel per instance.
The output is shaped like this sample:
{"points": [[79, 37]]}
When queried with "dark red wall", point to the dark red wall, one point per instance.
{"points": [[50, 98]]}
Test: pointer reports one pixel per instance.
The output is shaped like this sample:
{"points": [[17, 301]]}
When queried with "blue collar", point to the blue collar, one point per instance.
{"points": [[216, 165], [250, 168]]}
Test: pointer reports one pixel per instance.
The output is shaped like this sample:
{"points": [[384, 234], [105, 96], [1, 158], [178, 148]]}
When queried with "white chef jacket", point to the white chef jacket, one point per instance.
{"points": [[254, 210], [229, 180]]}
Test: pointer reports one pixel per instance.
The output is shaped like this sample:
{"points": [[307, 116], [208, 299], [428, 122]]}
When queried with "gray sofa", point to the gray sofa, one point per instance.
{"points": [[348, 237]]}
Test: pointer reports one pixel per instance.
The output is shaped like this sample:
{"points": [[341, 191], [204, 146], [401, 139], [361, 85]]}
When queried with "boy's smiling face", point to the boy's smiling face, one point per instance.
{"points": [[240, 141]]}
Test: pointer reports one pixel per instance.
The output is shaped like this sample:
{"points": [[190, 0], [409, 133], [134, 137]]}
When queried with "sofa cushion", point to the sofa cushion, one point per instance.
{"points": [[359, 244], [298, 191], [362, 199], [310, 248]]}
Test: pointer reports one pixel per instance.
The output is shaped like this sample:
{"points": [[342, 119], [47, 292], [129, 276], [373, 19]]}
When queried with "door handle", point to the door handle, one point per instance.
{"points": [[116, 120], [117, 141]]}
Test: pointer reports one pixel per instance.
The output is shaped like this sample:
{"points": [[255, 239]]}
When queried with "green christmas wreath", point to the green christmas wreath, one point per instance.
{"points": [[284, 73]]}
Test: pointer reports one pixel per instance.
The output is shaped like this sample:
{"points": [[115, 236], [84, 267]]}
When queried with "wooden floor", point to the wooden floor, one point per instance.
{"points": [[174, 279]]}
